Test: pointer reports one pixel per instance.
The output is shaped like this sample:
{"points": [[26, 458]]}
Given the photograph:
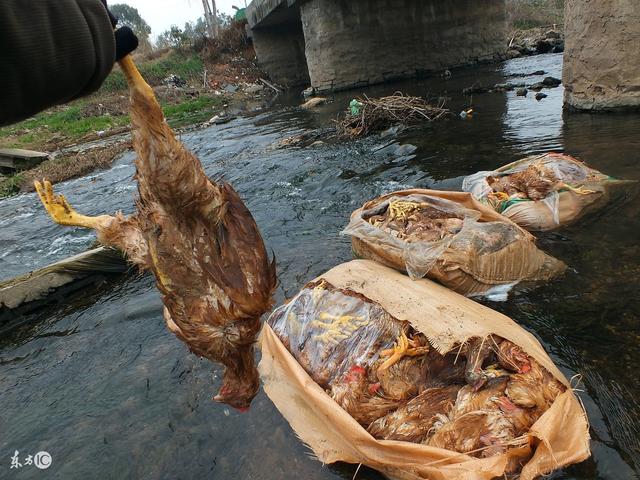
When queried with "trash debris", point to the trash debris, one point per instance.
{"points": [[355, 106], [466, 113], [367, 115], [308, 92], [253, 88], [364, 354], [174, 81], [313, 102], [535, 41], [541, 192], [449, 237]]}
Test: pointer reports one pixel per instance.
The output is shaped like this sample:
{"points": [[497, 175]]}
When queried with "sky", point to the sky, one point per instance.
{"points": [[161, 14]]}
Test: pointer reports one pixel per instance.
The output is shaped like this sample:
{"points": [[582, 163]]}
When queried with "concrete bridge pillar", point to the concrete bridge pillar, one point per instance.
{"points": [[279, 40], [602, 54], [340, 44], [352, 43]]}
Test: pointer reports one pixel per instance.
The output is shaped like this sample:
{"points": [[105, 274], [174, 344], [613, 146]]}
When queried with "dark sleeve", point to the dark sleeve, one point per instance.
{"points": [[51, 51]]}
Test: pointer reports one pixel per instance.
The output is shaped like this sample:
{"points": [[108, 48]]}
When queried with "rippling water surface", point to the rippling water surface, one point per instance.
{"points": [[102, 385]]}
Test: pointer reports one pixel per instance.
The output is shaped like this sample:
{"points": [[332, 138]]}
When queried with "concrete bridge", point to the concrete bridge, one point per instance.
{"points": [[341, 44]]}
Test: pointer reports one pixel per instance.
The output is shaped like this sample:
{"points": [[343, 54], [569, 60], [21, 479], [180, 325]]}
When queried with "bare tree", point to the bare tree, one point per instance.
{"points": [[211, 17]]}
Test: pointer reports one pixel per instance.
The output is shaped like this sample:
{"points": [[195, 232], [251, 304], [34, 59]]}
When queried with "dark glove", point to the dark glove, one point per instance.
{"points": [[126, 40]]}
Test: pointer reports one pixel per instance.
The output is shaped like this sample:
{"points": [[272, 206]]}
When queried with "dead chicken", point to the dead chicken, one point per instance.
{"points": [[478, 433], [415, 221], [354, 394], [477, 352], [402, 370], [511, 357], [535, 182], [444, 370], [199, 240], [469, 400], [536, 388], [413, 421], [329, 330]]}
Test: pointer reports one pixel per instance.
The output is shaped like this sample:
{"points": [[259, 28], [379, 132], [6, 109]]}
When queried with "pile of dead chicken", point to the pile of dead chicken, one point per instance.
{"points": [[541, 192], [480, 399], [451, 238]]}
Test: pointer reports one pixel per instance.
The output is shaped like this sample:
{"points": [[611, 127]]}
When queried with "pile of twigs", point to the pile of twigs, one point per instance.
{"points": [[380, 113]]}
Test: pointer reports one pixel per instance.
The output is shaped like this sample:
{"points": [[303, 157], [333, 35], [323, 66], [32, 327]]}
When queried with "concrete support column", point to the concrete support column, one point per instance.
{"points": [[351, 43], [280, 50], [602, 54]]}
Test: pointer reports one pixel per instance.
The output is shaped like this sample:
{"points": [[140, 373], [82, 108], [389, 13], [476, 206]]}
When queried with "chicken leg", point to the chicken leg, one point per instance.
{"points": [[402, 348], [116, 231], [62, 213]]}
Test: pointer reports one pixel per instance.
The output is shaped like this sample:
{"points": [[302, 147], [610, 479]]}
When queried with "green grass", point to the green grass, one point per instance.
{"points": [[10, 185], [195, 110], [154, 72], [68, 122]]}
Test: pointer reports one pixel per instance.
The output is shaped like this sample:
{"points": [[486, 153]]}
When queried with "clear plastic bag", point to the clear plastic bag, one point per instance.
{"points": [[328, 331]]}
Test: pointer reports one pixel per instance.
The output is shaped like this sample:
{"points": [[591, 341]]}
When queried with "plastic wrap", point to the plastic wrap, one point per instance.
{"points": [[474, 249], [330, 330], [341, 423], [576, 189], [419, 255]]}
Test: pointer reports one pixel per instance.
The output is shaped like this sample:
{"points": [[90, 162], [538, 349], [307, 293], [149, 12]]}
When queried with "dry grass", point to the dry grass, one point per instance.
{"points": [[523, 14], [380, 113], [74, 165]]}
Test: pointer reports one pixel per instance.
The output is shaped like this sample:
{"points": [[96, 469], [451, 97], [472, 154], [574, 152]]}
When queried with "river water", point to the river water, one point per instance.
{"points": [[100, 384]]}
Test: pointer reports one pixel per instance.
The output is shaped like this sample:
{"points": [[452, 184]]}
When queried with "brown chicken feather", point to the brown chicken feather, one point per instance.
{"points": [[480, 433], [535, 389], [535, 182], [354, 395], [413, 421], [198, 239], [469, 400]]}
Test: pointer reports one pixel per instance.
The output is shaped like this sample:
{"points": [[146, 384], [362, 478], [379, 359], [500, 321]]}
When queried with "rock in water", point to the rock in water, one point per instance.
{"points": [[551, 82]]}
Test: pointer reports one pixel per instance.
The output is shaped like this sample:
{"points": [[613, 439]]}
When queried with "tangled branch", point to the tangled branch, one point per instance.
{"points": [[380, 113]]}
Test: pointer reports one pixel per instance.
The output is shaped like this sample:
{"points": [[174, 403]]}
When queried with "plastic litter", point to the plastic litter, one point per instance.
{"points": [[355, 106]]}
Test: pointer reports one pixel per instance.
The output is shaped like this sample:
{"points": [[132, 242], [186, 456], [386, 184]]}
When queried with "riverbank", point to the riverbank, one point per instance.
{"points": [[192, 91]]}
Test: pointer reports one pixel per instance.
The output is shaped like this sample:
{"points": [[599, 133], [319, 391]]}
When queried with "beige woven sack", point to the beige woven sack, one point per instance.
{"points": [[558, 209], [466, 263], [558, 438]]}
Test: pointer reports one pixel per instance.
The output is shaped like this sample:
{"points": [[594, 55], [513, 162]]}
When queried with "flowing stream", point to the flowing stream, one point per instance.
{"points": [[109, 392]]}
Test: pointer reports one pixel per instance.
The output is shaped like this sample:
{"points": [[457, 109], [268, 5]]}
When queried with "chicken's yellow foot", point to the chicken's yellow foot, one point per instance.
{"points": [[501, 195], [402, 348], [578, 190], [401, 209], [60, 210]]}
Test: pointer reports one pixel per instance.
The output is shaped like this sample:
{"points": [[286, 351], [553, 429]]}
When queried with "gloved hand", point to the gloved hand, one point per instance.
{"points": [[126, 40]]}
